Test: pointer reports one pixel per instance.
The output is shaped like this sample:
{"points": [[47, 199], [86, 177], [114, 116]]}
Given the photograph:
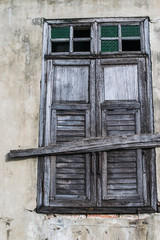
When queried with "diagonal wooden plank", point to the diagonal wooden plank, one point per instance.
{"points": [[92, 145]]}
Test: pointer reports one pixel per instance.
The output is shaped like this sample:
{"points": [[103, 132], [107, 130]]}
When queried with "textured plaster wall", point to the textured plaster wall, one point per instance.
{"points": [[20, 74]]}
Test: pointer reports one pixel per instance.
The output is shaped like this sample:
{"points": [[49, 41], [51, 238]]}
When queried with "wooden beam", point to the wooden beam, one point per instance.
{"points": [[92, 145]]}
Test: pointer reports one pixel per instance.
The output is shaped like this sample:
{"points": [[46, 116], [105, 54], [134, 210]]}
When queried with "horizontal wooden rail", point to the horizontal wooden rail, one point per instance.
{"points": [[92, 145]]}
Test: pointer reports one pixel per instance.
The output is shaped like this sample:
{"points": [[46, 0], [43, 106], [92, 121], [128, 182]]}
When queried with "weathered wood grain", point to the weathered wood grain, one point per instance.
{"points": [[92, 145]]}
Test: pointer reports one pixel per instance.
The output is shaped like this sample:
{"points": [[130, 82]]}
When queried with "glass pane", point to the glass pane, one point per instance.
{"points": [[109, 31], [81, 46], [131, 45], [60, 32], [109, 46], [130, 31], [120, 82], [81, 32], [60, 46]]}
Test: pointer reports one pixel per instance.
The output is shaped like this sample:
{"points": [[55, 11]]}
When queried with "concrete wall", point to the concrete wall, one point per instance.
{"points": [[20, 74]]}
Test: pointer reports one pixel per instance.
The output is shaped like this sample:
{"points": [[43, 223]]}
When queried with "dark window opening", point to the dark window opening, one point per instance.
{"points": [[81, 46], [81, 32], [60, 47], [131, 45]]}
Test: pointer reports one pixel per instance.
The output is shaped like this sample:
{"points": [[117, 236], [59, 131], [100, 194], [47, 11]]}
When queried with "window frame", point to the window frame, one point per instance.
{"points": [[45, 103]]}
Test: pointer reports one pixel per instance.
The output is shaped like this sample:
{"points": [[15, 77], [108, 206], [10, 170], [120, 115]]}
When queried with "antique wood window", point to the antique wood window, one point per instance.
{"points": [[96, 83]]}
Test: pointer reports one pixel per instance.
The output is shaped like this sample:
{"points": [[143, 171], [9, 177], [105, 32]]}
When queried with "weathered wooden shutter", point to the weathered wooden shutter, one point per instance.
{"points": [[71, 120], [122, 104]]}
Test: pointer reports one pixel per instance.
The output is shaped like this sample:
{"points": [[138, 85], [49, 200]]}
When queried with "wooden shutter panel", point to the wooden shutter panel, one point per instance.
{"points": [[122, 103], [71, 118], [122, 171]]}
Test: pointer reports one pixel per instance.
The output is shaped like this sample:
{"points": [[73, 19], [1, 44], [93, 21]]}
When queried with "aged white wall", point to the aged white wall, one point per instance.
{"points": [[20, 74]]}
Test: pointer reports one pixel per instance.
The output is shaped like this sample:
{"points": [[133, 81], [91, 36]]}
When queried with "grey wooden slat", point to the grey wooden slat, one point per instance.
{"points": [[70, 118], [93, 145], [71, 181], [119, 180], [70, 176], [121, 159], [70, 113], [79, 106], [68, 191], [64, 160], [122, 175], [70, 165], [71, 133], [74, 157], [120, 133], [76, 128], [70, 123], [65, 198], [121, 170], [71, 62], [70, 170], [118, 116], [71, 187], [121, 128], [120, 105], [62, 139], [118, 61], [124, 193], [122, 153], [120, 123], [122, 165], [120, 187]]}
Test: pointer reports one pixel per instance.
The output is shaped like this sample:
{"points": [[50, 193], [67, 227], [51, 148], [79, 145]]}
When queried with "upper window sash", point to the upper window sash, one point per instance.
{"points": [[92, 37]]}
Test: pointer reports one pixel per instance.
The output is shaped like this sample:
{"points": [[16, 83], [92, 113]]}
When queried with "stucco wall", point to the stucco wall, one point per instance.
{"points": [[20, 74]]}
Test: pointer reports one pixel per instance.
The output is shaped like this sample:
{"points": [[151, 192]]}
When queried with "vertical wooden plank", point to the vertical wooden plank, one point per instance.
{"points": [[71, 39], [48, 132], [142, 37], [92, 98], [43, 87], [93, 180], [88, 180], [153, 183], [119, 38], [140, 186], [88, 127], [152, 166], [104, 175], [94, 35], [99, 95], [143, 96], [99, 39], [40, 180], [138, 121], [53, 158]]}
